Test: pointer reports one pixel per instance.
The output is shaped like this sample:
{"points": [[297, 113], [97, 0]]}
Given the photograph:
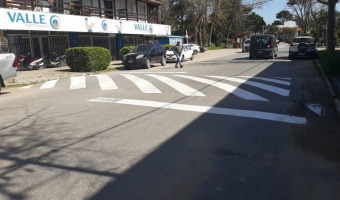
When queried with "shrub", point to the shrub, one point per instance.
{"points": [[167, 46], [88, 59], [330, 63], [125, 50]]}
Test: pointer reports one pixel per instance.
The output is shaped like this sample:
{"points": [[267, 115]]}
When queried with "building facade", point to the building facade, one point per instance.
{"points": [[42, 26]]}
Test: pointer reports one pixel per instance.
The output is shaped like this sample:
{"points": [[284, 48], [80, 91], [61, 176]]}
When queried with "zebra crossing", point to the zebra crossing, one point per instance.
{"points": [[275, 85]]}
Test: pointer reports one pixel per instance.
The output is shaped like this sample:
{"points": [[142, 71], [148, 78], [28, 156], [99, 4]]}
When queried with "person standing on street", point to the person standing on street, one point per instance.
{"points": [[178, 51]]}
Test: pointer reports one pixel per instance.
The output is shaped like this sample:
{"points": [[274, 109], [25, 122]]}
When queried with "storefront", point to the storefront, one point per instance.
{"points": [[39, 33]]}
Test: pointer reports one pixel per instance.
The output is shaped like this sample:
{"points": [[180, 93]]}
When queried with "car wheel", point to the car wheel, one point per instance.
{"points": [[163, 61], [290, 57], [242, 51], [126, 67], [195, 52], [147, 64], [192, 57]]}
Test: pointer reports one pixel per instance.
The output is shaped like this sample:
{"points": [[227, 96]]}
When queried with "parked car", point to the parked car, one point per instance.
{"points": [[245, 46], [263, 46], [143, 55], [302, 46], [195, 48], [187, 53], [8, 69]]}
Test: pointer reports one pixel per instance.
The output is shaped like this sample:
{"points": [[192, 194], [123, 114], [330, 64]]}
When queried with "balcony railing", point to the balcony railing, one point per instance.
{"points": [[79, 9]]}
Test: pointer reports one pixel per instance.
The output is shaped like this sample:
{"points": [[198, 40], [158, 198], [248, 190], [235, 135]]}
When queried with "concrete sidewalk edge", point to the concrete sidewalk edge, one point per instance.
{"points": [[336, 101]]}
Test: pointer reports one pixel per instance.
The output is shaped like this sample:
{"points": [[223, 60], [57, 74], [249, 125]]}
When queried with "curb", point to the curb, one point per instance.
{"points": [[336, 101]]}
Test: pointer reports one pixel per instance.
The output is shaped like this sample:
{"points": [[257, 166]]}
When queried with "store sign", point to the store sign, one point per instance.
{"points": [[29, 20]]}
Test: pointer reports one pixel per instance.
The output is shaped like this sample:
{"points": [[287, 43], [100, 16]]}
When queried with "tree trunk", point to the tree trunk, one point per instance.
{"points": [[330, 26]]}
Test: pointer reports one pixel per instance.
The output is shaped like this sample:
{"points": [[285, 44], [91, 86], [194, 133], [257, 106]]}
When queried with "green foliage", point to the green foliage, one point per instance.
{"points": [[330, 62], [125, 50], [167, 46], [284, 15], [86, 59]]}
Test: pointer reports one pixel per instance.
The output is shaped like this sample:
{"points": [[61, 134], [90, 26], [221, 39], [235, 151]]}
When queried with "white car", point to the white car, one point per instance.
{"points": [[187, 53], [195, 48], [7, 68]]}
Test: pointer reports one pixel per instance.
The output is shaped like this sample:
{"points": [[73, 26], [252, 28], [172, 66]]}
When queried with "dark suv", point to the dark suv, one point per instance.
{"points": [[263, 46], [143, 55], [302, 46]]}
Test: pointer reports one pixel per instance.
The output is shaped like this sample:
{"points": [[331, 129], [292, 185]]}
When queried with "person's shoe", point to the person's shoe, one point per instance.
{"points": [[176, 66], [181, 66]]}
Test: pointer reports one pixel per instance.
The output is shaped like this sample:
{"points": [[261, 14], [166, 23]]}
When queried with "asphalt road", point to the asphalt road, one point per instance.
{"points": [[228, 128]]}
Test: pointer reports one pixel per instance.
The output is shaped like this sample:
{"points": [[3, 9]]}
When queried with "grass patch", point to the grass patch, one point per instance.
{"points": [[330, 62]]}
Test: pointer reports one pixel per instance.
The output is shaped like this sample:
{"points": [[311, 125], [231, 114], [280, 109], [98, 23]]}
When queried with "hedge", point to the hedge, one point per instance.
{"points": [[88, 59]]}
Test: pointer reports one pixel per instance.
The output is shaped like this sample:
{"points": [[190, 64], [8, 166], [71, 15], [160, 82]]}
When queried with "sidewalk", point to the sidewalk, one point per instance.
{"points": [[38, 76]]}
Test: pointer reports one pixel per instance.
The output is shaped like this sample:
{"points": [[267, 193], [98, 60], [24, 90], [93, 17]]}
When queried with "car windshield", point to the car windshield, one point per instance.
{"points": [[304, 40], [140, 48]]}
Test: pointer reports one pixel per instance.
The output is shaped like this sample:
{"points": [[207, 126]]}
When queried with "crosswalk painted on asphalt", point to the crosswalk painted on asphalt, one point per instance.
{"points": [[276, 85]]}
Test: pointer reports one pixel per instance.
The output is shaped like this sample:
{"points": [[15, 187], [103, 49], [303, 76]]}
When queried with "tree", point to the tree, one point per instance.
{"points": [[302, 9], [256, 21], [330, 24], [284, 16]]}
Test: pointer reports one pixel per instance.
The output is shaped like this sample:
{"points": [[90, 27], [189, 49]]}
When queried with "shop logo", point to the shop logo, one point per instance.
{"points": [[55, 22], [151, 29], [105, 25]]}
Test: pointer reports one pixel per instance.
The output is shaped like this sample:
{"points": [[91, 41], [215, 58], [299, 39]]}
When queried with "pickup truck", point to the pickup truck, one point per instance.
{"points": [[7, 68]]}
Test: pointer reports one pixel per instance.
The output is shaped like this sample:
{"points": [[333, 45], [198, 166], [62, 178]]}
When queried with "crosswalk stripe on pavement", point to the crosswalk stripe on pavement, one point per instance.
{"points": [[78, 82], [273, 89], [229, 88], [144, 85], [180, 87]]}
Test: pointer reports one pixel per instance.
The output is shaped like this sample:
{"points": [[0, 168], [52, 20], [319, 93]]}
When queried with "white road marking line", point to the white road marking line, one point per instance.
{"points": [[153, 72], [206, 109], [105, 82], [276, 90], [180, 87], [144, 85], [78, 82], [268, 79], [26, 87], [288, 79], [49, 84], [229, 88]]}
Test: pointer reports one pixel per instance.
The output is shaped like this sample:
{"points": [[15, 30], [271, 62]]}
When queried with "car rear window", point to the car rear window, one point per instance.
{"points": [[303, 40], [262, 40]]}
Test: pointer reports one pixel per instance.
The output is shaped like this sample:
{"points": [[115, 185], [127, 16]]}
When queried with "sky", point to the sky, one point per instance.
{"points": [[269, 9]]}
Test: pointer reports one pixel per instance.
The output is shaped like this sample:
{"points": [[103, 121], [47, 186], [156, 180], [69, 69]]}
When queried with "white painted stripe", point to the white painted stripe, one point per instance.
{"points": [[26, 87], [180, 87], [144, 85], [105, 82], [206, 109], [276, 90], [268, 79], [49, 84], [288, 79], [77, 82], [229, 88], [153, 72]]}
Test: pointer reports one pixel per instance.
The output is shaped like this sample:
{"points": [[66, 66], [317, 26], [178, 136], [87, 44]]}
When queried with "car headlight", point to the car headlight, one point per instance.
{"points": [[140, 56]]}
